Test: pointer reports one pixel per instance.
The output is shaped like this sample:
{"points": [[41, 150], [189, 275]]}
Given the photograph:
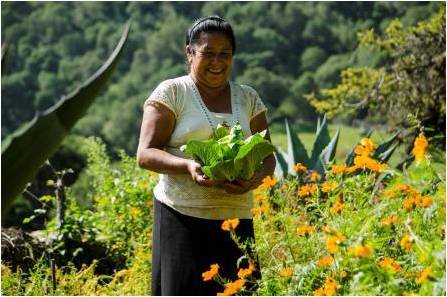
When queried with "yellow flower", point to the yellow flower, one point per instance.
{"points": [[389, 193], [389, 221], [303, 230], [299, 167], [336, 169], [244, 272], [268, 182], [328, 186], [409, 203], [420, 148], [361, 251], [328, 289], [366, 162], [390, 264], [134, 211], [337, 207], [230, 224], [424, 275], [314, 176], [210, 274], [406, 243], [232, 288], [325, 261], [307, 190], [286, 272]]}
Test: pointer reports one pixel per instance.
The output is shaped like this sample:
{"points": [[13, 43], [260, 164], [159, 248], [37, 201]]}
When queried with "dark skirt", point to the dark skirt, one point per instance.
{"points": [[184, 247]]}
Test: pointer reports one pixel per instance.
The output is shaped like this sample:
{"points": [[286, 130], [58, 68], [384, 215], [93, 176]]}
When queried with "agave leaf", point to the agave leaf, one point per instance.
{"points": [[385, 156], [296, 150], [24, 151], [350, 158], [322, 139], [385, 145], [328, 153], [4, 52], [282, 167]]}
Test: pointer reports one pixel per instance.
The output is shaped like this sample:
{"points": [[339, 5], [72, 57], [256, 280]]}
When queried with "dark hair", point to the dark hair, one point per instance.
{"points": [[210, 24]]}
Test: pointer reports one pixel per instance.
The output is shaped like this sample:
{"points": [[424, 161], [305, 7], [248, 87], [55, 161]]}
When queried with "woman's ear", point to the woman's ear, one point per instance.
{"points": [[188, 51]]}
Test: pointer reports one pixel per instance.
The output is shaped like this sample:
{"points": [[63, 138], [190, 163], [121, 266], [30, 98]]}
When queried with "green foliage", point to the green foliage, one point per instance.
{"points": [[411, 82], [27, 149], [55, 46]]}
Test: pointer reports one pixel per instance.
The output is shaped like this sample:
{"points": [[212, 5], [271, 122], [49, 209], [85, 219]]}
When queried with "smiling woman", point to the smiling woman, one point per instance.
{"points": [[190, 207]]}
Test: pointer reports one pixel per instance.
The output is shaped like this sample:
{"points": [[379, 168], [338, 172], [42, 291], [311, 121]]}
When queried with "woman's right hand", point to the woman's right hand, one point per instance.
{"points": [[195, 170]]}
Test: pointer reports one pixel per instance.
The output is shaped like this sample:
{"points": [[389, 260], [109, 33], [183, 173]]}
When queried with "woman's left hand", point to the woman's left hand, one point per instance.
{"points": [[242, 186]]}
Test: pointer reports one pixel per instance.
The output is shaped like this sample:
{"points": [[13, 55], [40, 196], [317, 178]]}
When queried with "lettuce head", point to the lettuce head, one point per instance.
{"points": [[228, 155]]}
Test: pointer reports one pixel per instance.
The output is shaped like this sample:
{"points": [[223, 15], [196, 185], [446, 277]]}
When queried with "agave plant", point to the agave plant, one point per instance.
{"points": [[25, 150], [323, 151]]}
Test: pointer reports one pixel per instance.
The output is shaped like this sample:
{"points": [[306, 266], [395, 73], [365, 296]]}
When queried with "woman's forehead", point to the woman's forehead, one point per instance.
{"points": [[214, 40]]}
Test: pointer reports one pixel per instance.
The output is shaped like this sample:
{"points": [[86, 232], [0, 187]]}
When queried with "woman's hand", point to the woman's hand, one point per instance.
{"points": [[242, 186], [195, 170]]}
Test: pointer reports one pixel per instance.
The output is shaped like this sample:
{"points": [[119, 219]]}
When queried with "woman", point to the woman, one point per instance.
{"points": [[189, 208]]}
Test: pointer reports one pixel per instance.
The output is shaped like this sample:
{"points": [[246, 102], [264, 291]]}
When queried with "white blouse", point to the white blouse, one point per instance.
{"points": [[195, 121]]}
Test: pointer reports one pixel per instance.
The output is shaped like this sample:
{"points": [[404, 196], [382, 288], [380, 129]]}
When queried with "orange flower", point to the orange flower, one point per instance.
{"points": [[286, 272], [336, 169], [268, 182], [389, 221], [232, 288], [360, 150], [423, 201], [337, 207], [424, 275], [406, 243], [314, 176], [325, 261], [368, 144], [299, 167], [230, 224], [420, 148], [409, 203], [333, 241], [210, 274], [328, 186], [307, 190], [365, 162], [390, 264], [244, 272], [303, 230], [328, 289], [361, 251]]}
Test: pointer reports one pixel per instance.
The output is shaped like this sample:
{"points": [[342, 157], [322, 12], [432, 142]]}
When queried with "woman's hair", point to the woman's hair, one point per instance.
{"points": [[210, 24]]}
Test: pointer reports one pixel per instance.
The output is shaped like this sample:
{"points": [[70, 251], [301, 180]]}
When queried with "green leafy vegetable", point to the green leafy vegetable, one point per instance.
{"points": [[228, 155]]}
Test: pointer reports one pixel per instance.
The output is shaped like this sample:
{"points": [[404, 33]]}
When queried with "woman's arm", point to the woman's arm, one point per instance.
{"points": [[156, 129], [257, 124]]}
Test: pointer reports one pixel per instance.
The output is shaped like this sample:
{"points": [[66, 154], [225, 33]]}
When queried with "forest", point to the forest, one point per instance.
{"points": [[363, 65]]}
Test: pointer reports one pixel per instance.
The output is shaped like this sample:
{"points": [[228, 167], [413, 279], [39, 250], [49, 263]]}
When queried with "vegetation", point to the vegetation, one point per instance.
{"points": [[356, 225]]}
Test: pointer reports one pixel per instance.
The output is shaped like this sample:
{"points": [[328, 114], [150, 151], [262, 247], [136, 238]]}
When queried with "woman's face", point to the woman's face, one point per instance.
{"points": [[211, 59]]}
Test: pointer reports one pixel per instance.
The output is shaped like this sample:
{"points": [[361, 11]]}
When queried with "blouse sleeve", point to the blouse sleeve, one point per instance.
{"points": [[256, 106], [165, 93]]}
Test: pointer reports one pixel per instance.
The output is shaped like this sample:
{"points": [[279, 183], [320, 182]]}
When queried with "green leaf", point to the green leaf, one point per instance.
{"points": [[29, 147], [385, 156], [328, 154], [322, 139], [383, 147], [281, 168], [251, 154], [296, 151], [29, 219]]}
